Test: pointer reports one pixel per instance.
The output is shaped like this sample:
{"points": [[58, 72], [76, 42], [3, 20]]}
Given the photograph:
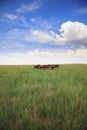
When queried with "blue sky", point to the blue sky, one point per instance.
{"points": [[43, 31]]}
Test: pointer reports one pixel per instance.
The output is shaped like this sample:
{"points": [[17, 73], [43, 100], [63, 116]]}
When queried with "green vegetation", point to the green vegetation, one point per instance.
{"points": [[32, 99]]}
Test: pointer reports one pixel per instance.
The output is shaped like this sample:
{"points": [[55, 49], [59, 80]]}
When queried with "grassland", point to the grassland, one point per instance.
{"points": [[32, 99]]}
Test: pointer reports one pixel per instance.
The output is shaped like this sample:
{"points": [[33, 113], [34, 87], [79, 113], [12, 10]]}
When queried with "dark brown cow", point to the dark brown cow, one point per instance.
{"points": [[54, 66], [37, 66]]}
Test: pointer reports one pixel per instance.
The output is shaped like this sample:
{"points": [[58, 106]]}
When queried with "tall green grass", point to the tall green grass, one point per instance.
{"points": [[32, 99]]}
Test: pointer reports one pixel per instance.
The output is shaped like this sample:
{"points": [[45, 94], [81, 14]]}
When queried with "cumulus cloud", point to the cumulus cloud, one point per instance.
{"points": [[74, 32], [28, 8]]}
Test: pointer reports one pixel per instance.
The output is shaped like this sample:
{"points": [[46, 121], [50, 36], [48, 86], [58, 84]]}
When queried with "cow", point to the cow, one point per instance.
{"points": [[54, 66], [37, 66]]}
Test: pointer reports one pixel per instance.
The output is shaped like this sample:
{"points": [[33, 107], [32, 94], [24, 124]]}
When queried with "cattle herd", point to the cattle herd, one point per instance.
{"points": [[49, 66]]}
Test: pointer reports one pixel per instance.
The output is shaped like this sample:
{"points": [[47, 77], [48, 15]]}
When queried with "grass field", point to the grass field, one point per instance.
{"points": [[32, 99]]}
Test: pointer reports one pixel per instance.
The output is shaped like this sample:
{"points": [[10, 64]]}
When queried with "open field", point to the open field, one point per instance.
{"points": [[32, 99]]}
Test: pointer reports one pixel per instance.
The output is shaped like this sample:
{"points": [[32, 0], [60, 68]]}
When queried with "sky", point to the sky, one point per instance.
{"points": [[43, 32]]}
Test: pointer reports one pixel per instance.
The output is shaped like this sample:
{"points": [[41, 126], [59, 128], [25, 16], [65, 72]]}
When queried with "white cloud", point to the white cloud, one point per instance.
{"points": [[40, 53], [45, 57], [81, 52], [78, 53], [43, 37], [11, 17], [28, 8], [74, 32]]}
